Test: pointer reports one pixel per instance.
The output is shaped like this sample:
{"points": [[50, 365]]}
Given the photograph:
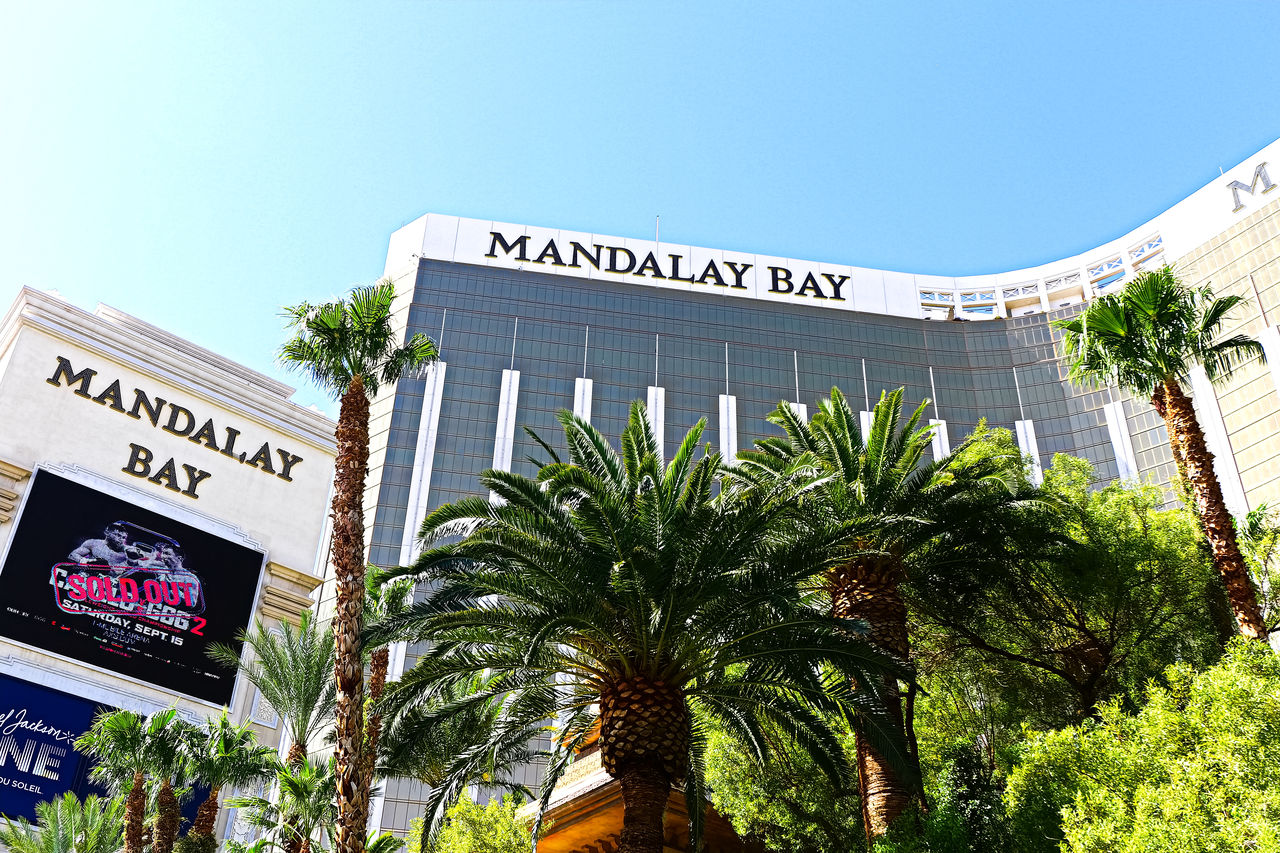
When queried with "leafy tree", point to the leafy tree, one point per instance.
{"points": [[615, 595], [919, 520], [1121, 591], [787, 803], [348, 347], [219, 755], [1148, 337], [293, 670], [472, 828], [1197, 769], [66, 825]]}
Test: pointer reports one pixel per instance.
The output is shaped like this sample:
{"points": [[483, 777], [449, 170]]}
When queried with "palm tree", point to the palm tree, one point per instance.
{"points": [[348, 347], [615, 597], [383, 599], [450, 744], [921, 518], [166, 734], [304, 810], [293, 670], [1147, 338], [65, 825], [220, 754], [119, 744]]}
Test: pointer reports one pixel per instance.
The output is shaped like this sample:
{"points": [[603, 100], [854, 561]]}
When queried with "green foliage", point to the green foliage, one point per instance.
{"points": [[1198, 769], [449, 744], [293, 669], [305, 805], [1259, 534], [340, 340], [1155, 329], [65, 825], [612, 566], [1113, 590], [196, 844], [472, 828], [787, 803]]}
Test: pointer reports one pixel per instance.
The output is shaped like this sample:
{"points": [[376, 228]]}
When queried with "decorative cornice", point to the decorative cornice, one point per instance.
{"points": [[9, 497], [154, 352], [14, 472], [287, 592]]}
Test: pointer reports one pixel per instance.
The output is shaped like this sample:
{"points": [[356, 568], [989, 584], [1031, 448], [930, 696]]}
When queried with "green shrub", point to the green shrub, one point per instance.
{"points": [[472, 828], [1197, 769]]}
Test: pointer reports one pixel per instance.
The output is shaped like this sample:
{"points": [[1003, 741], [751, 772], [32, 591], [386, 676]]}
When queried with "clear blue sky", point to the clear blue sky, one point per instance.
{"points": [[200, 165]]}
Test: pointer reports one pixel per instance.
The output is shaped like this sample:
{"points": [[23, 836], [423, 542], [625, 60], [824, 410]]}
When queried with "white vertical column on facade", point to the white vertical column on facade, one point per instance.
{"points": [[424, 455], [582, 385], [728, 428], [1269, 337], [582, 398], [505, 438], [656, 401], [728, 417], [865, 417], [1026, 433], [801, 410], [940, 441], [1215, 436], [1121, 442]]}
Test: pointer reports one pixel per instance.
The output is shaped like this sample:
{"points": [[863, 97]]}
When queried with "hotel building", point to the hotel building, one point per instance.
{"points": [[154, 498], [532, 320]]}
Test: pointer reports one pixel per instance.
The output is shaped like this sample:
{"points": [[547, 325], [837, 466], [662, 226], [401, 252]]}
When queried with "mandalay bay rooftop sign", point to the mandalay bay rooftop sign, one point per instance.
{"points": [[669, 266]]}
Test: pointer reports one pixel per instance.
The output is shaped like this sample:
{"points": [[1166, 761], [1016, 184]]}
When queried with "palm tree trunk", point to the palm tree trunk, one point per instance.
{"points": [[297, 754], [1179, 455], [207, 814], [373, 727], [135, 810], [350, 467], [168, 819], [296, 758], [645, 789], [1181, 420], [871, 590]]}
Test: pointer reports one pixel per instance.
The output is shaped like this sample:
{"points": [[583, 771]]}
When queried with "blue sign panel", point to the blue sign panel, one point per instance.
{"points": [[38, 727]]}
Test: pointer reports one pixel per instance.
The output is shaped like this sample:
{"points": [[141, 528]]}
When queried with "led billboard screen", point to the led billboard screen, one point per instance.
{"points": [[97, 579]]}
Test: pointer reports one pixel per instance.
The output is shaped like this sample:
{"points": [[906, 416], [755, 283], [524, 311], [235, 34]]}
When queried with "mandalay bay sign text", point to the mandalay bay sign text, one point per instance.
{"points": [[657, 266]]}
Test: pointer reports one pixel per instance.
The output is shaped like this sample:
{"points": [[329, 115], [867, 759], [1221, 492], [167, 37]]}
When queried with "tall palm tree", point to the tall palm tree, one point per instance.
{"points": [[348, 347], [119, 744], [1147, 338], [920, 517], [293, 670], [304, 808], [66, 825], [614, 595], [219, 755], [166, 735]]}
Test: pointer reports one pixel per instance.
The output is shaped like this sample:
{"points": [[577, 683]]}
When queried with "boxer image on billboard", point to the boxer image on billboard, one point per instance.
{"points": [[99, 580]]}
